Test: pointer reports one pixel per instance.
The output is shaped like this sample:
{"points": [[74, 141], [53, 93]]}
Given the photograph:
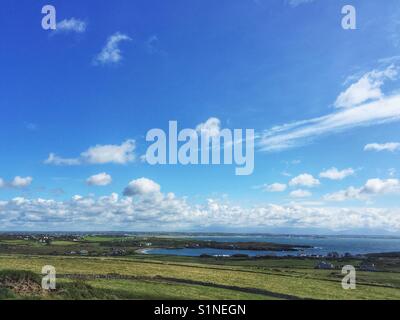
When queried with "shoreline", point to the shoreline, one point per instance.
{"points": [[242, 255]]}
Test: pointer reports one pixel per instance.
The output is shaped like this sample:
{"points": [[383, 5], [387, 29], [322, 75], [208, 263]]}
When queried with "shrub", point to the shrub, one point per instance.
{"points": [[17, 276]]}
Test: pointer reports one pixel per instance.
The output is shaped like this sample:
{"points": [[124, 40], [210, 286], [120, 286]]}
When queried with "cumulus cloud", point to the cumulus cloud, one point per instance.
{"points": [[300, 193], [372, 187], [210, 128], [99, 154], [170, 213], [390, 146], [111, 53], [119, 154], [335, 174], [378, 186], [71, 25], [304, 180], [101, 179], [368, 87], [371, 108], [21, 182], [142, 186], [275, 187]]}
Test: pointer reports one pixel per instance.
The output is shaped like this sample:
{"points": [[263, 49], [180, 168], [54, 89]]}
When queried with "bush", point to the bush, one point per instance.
{"points": [[17, 276], [6, 294]]}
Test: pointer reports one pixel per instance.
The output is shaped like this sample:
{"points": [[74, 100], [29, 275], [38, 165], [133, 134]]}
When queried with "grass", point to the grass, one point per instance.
{"points": [[6, 294], [103, 238], [138, 276], [63, 243], [153, 289], [16, 276], [211, 279], [21, 242]]}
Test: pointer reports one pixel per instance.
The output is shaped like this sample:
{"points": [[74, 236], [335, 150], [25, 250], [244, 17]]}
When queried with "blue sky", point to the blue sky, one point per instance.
{"points": [[323, 101]]}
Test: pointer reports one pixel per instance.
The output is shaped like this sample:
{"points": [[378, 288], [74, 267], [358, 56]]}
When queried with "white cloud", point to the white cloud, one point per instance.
{"points": [[300, 193], [170, 213], [378, 186], [210, 128], [343, 195], [58, 161], [99, 154], [71, 25], [275, 187], [2, 183], [335, 174], [101, 179], [305, 180], [111, 53], [142, 186], [390, 146], [372, 187], [120, 154], [383, 110], [366, 88], [21, 182]]}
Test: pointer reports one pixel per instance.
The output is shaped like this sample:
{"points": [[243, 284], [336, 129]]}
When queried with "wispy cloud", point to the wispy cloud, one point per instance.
{"points": [[274, 187], [111, 53], [389, 146], [377, 110], [59, 161], [300, 194], [71, 25]]}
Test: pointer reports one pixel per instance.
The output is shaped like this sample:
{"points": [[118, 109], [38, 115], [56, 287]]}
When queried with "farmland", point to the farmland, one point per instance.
{"points": [[97, 274]]}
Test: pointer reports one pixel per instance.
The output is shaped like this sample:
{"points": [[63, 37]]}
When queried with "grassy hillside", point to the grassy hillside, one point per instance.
{"points": [[150, 277]]}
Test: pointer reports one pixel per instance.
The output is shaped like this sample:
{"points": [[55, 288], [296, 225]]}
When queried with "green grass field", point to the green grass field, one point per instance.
{"points": [[149, 277], [110, 267]]}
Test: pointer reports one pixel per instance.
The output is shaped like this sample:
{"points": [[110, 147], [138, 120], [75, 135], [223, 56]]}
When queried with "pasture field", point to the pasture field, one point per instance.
{"points": [[114, 267], [149, 277]]}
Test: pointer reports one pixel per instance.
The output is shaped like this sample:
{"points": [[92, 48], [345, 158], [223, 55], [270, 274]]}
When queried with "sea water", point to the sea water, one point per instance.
{"points": [[321, 245]]}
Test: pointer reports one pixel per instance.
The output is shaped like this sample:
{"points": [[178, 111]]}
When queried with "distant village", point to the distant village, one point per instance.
{"points": [[121, 249]]}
